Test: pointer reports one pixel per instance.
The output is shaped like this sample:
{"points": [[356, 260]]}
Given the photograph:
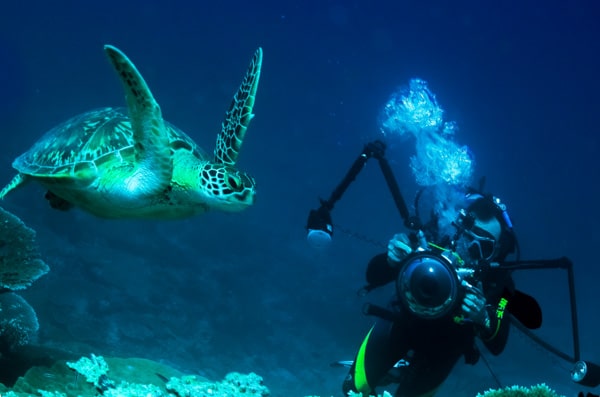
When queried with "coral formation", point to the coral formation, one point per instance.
{"points": [[135, 377], [234, 384], [20, 265], [520, 391], [20, 259], [18, 322], [132, 377], [94, 369]]}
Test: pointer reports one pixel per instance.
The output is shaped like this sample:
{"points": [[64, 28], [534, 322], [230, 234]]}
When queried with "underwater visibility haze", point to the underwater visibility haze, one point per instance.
{"points": [[458, 92]]}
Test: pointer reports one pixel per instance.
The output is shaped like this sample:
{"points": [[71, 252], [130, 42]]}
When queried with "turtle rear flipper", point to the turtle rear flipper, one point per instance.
{"points": [[239, 114], [154, 168], [18, 181]]}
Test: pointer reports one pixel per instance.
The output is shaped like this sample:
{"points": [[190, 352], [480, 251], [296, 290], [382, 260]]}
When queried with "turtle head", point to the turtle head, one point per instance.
{"points": [[227, 188]]}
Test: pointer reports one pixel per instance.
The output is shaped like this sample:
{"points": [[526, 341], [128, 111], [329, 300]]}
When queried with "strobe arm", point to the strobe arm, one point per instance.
{"points": [[319, 224], [412, 223], [583, 372], [371, 149]]}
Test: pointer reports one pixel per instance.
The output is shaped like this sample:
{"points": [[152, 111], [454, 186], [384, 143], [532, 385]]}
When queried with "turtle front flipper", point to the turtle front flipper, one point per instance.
{"points": [[154, 158], [237, 118]]}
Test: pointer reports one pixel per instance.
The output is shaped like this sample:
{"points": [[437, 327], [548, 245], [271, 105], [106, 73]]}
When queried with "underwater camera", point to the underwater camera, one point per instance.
{"points": [[429, 285]]}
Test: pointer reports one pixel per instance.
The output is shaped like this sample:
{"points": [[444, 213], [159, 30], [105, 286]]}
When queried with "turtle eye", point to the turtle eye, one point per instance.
{"points": [[234, 182]]}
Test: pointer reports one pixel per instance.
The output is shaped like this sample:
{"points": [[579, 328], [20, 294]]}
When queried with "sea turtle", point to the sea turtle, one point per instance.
{"points": [[131, 163]]}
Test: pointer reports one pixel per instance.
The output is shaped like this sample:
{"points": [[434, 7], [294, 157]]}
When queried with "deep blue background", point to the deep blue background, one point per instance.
{"points": [[244, 292]]}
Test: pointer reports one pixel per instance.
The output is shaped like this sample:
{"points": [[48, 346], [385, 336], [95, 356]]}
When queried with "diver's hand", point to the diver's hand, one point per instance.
{"points": [[398, 248], [474, 305]]}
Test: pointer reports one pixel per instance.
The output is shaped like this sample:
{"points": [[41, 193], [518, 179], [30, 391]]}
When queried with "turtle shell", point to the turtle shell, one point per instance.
{"points": [[90, 141]]}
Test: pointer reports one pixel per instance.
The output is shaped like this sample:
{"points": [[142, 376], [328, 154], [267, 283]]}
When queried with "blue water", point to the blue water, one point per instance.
{"points": [[244, 292]]}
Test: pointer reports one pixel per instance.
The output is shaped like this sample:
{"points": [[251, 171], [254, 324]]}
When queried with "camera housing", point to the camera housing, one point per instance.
{"points": [[428, 285]]}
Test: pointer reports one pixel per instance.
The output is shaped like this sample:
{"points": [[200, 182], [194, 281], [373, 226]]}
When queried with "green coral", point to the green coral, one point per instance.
{"points": [[20, 265], [18, 321], [540, 390], [94, 369], [234, 384], [134, 390], [128, 378], [134, 377], [20, 260], [51, 394], [58, 378]]}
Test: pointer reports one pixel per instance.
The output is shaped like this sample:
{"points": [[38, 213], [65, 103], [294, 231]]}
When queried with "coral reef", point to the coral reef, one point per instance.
{"points": [[234, 384], [520, 391], [135, 377], [20, 265], [18, 322], [94, 369], [131, 377], [20, 259]]}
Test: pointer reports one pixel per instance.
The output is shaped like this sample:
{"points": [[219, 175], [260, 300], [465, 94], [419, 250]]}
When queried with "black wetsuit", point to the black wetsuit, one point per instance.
{"points": [[432, 347]]}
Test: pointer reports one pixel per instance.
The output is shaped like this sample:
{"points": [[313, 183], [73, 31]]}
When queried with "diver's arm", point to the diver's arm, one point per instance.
{"points": [[494, 333], [498, 292], [383, 268], [487, 317]]}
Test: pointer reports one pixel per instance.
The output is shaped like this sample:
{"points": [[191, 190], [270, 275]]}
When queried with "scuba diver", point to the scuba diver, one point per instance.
{"points": [[448, 294], [453, 287]]}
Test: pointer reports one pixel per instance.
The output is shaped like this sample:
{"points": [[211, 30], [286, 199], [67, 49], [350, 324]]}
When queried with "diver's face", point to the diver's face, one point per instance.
{"points": [[475, 245]]}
